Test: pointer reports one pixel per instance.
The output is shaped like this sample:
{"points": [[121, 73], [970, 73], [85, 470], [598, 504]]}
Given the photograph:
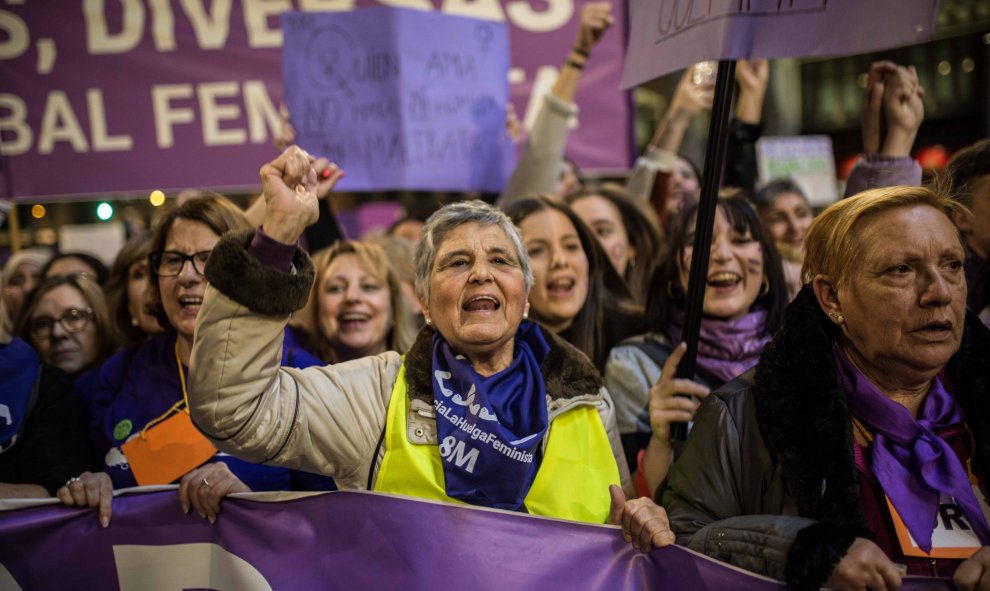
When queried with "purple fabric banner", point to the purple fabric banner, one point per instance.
{"points": [[666, 35], [125, 96], [341, 540], [397, 109]]}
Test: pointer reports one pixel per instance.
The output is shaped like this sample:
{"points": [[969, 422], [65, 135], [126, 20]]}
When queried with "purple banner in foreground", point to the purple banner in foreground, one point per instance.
{"points": [[341, 540], [666, 35]]}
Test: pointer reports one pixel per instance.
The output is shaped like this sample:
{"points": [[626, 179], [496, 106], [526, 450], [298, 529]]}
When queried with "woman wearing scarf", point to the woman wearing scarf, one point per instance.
{"points": [[858, 448], [743, 306], [465, 416]]}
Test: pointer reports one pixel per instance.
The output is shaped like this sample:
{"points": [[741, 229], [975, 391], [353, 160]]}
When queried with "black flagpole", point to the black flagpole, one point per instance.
{"points": [[698, 278]]}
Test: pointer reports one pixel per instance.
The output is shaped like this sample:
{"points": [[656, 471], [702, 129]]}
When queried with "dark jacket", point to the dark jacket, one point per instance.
{"points": [[767, 480]]}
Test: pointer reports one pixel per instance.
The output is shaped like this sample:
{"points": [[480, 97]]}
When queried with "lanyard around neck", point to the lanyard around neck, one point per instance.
{"points": [[182, 405]]}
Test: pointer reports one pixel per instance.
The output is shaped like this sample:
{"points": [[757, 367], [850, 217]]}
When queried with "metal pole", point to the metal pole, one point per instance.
{"points": [[14, 227], [698, 278]]}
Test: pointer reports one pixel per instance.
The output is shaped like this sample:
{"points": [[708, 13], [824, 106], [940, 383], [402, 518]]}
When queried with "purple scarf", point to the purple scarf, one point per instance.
{"points": [[911, 462], [490, 429], [726, 348]]}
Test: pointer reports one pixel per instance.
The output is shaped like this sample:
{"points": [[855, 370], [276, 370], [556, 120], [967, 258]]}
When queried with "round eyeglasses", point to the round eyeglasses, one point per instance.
{"points": [[72, 320], [169, 263]]}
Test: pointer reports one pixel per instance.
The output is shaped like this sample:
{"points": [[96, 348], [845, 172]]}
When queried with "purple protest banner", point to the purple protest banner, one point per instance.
{"points": [[125, 96], [341, 540], [666, 35], [396, 108]]}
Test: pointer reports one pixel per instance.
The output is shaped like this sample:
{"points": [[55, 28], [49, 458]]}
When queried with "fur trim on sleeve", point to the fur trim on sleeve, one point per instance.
{"points": [[817, 549], [244, 279]]}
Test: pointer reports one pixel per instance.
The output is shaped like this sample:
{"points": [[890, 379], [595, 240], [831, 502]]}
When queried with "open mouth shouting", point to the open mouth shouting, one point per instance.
{"points": [[353, 320], [561, 287], [481, 303], [189, 304], [724, 280]]}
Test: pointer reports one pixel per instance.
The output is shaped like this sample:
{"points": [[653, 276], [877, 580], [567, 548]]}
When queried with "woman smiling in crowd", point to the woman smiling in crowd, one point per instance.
{"points": [[576, 293], [786, 216], [358, 307], [743, 306], [628, 234], [141, 392]]}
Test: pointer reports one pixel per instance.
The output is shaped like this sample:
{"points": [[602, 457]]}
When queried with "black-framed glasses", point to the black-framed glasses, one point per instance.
{"points": [[169, 263], [72, 320]]}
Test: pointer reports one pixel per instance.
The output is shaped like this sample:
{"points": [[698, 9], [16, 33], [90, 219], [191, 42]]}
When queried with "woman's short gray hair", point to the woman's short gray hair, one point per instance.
{"points": [[451, 216]]}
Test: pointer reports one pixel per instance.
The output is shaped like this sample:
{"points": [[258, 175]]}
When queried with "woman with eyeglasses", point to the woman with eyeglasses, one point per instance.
{"points": [[66, 321], [139, 401]]}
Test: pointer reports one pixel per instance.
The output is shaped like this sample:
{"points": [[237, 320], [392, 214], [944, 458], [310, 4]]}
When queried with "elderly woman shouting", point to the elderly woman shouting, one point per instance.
{"points": [[486, 408], [859, 447]]}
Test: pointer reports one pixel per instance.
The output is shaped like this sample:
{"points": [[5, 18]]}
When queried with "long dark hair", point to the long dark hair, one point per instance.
{"points": [[741, 215], [608, 296], [643, 232]]}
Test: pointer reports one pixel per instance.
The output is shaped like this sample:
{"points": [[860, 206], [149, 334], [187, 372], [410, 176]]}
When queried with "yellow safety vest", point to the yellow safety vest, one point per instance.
{"points": [[571, 483]]}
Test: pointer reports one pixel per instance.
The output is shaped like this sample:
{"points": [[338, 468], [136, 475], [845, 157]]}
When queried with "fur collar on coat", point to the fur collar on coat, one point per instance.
{"points": [[567, 372]]}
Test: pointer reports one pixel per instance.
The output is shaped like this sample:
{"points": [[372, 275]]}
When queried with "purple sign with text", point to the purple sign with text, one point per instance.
{"points": [[341, 540], [126, 96], [399, 98], [666, 35]]}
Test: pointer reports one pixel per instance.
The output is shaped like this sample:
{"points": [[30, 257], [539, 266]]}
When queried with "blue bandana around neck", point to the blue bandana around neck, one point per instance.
{"points": [[18, 369], [489, 429]]}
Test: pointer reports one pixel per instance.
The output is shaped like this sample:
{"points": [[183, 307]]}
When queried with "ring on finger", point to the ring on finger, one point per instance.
{"points": [[69, 482], [206, 482]]}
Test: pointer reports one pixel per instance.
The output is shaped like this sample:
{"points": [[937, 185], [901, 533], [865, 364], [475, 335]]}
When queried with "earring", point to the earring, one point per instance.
{"points": [[428, 321], [836, 317], [134, 321], [672, 288], [765, 289]]}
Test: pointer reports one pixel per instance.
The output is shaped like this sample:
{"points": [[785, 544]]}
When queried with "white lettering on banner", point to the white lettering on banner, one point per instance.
{"points": [[102, 141], [211, 29], [59, 123], [162, 25], [262, 114], [169, 110], [165, 115], [261, 21], [20, 137], [556, 15], [17, 35], [212, 26], [99, 40], [212, 113], [184, 566]]}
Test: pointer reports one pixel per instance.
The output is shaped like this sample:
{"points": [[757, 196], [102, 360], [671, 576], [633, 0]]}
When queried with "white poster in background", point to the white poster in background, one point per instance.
{"points": [[103, 240], [807, 160]]}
